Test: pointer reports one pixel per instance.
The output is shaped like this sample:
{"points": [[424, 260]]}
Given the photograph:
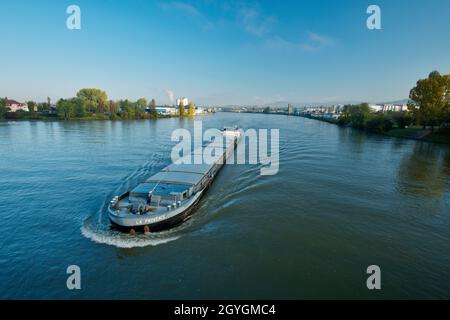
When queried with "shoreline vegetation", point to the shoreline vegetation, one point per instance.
{"points": [[427, 117], [414, 132], [92, 104]]}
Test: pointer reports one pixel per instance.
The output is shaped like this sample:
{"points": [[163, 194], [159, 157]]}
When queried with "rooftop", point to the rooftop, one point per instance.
{"points": [[158, 189], [183, 178], [11, 101], [192, 168]]}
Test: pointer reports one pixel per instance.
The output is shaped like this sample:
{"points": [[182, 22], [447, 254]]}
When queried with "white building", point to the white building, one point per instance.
{"points": [[185, 101], [389, 107], [199, 110], [376, 108], [167, 110], [15, 106]]}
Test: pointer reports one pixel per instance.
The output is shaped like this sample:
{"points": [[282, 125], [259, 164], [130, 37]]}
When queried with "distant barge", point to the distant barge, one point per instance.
{"points": [[167, 198]]}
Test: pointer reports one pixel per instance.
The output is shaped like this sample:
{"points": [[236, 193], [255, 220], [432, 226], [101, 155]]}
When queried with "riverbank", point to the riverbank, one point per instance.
{"points": [[28, 116], [413, 133], [440, 136]]}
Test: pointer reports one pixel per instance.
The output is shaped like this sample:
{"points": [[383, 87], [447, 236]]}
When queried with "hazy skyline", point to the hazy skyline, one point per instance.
{"points": [[222, 52]]}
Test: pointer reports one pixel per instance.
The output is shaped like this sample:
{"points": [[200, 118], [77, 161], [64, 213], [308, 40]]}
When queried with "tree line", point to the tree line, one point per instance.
{"points": [[92, 102], [429, 106]]}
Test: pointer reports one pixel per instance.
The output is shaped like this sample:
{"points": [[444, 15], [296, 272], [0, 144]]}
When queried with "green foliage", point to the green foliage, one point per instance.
{"points": [[142, 103], [79, 107], [43, 107], [64, 109], [266, 110], [95, 99], [31, 105], [359, 115], [355, 115], [379, 123], [113, 108], [430, 100], [153, 112], [402, 119], [3, 108], [139, 108], [89, 103], [127, 109], [181, 109], [114, 116], [70, 108], [191, 110]]}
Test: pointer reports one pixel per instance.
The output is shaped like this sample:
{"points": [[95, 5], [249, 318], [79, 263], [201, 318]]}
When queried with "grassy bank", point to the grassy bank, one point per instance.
{"points": [[403, 133]]}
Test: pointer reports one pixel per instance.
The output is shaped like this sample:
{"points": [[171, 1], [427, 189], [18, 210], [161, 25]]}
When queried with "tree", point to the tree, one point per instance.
{"points": [[153, 108], [65, 109], [113, 109], [344, 119], [43, 107], [70, 108], [191, 110], [402, 119], [79, 107], [379, 123], [267, 110], [31, 106], [127, 109], [142, 103], [139, 108], [95, 99], [181, 108], [3, 108], [359, 115], [355, 115], [430, 100]]}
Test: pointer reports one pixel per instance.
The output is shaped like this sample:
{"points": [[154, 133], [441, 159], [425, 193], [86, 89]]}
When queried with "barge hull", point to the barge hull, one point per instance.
{"points": [[178, 182]]}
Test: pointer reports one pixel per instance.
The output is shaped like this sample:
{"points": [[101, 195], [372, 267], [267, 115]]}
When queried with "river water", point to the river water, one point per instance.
{"points": [[342, 200]]}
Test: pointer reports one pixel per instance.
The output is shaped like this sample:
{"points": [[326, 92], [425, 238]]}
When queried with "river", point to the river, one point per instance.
{"points": [[342, 200]]}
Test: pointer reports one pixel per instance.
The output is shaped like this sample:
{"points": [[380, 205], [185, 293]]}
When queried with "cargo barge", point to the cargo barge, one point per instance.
{"points": [[168, 198]]}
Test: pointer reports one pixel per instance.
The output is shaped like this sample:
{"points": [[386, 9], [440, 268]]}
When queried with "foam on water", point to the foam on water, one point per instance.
{"points": [[97, 228], [121, 240]]}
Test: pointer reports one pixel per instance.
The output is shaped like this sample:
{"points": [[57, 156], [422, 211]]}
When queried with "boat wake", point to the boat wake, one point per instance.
{"points": [[97, 226], [234, 183], [121, 240]]}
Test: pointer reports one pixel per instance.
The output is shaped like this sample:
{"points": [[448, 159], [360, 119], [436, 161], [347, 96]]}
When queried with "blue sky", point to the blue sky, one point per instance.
{"points": [[222, 52]]}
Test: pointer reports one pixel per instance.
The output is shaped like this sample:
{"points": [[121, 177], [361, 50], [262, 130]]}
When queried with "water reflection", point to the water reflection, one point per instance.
{"points": [[353, 139], [424, 172]]}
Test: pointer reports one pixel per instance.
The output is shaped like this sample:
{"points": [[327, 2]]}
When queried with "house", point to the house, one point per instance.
{"points": [[14, 105]]}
